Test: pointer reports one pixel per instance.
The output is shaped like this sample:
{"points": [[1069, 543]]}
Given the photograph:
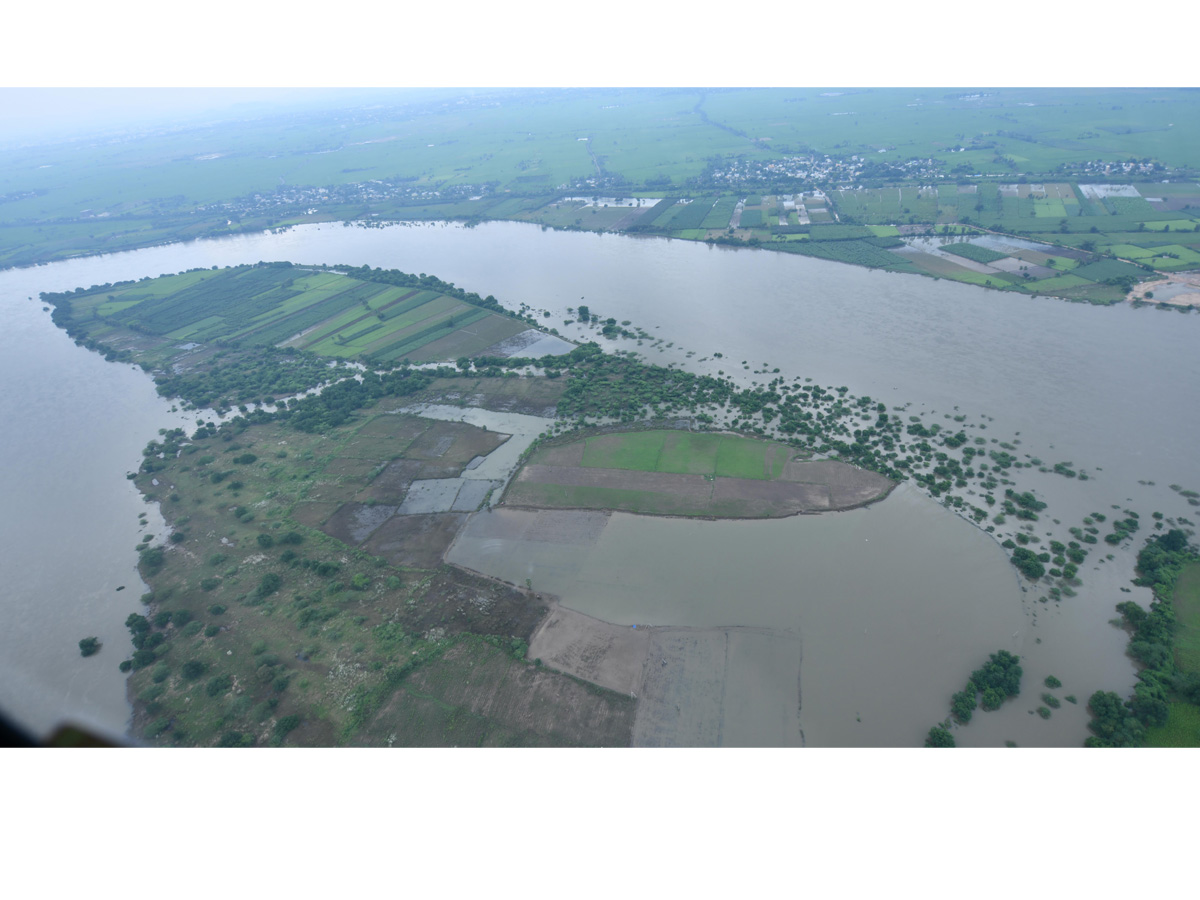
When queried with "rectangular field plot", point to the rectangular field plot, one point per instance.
{"points": [[638, 451], [684, 453], [745, 458], [689, 454]]}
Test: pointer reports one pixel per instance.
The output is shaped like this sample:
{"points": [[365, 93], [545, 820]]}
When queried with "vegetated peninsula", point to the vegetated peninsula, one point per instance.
{"points": [[302, 595]]}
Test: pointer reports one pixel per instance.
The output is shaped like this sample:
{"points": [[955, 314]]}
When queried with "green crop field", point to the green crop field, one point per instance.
{"points": [[279, 305], [685, 453], [743, 458], [1187, 614], [638, 451], [974, 252]]}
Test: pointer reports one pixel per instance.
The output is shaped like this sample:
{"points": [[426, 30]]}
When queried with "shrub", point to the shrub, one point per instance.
{"points": [[268, 585], [266, 541], [1052, 682], [218, 684], [142, 658], [1043, 712], [284, 726], [157, 727], [193, 669], [236, 739], [126, 665], [208, 584], [212, 631], [181, 617], [152, 559], [192, 629], [216, 610], [89, 646], [1051, 701]]}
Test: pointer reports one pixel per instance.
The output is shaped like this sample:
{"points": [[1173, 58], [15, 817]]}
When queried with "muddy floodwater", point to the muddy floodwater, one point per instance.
{"points": [[1110, 390], [881, 604]]}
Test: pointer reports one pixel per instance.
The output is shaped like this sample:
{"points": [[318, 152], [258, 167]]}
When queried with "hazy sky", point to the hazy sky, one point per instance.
{"points": [[80, 59], [27, 112]]}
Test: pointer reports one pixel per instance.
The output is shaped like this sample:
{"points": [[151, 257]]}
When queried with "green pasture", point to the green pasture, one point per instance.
{"points": [[1187, 614], [1182, 728], [687, 453]]}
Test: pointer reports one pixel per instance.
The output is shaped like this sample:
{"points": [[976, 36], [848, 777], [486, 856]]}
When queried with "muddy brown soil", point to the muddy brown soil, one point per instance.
{"points": [[457, 600], [527, 396], [415, 541], [478, 696], [612, 656]]}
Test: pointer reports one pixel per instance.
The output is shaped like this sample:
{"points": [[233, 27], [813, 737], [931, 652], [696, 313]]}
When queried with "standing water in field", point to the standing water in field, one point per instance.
{"points": [[885, 600]]}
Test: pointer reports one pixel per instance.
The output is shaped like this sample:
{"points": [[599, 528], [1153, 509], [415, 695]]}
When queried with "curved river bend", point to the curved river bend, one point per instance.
{"points": [[1108, 389]]}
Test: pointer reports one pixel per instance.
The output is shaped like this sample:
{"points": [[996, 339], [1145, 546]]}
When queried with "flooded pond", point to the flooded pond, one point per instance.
{"points": [[885, 600]]}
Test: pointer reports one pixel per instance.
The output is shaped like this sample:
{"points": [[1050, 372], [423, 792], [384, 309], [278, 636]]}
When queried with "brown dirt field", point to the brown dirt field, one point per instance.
{"points": [[695, 488], [1178, 204], [769, 498], [612, 656], [415, 541], [1031, 256], [848, 486], [458, 600], [454, 442], [720, 687], [567, 455], [355, 522], [396, 427], [313, 514], [934, 265], [475, 695], [1191, 298]]}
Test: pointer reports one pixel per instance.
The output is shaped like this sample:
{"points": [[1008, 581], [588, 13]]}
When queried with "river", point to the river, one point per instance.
{"points": [[1108, 389]]}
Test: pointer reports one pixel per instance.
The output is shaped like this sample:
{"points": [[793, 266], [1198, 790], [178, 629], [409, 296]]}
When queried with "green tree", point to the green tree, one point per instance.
{"points": [[939, 737], [89, 646]]}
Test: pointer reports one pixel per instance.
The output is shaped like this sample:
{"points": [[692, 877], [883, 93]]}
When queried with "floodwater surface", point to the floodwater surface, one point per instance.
{"points": [[1108, 389], [893, 603]]}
